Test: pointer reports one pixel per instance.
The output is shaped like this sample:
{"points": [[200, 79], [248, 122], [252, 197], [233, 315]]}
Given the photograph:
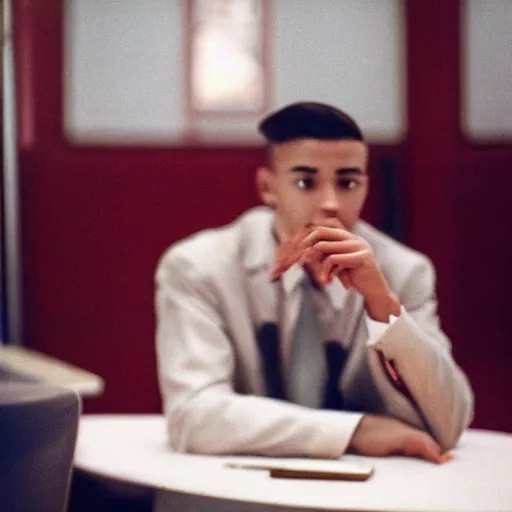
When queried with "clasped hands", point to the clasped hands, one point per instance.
{"points": [[330, 251]]}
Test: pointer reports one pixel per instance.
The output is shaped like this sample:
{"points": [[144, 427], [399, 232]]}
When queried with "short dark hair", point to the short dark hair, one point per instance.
{"points": [[309, 120]]}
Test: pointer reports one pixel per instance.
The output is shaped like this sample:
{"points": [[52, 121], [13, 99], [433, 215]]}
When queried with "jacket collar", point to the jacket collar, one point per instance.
{"points": [[258, 244]]}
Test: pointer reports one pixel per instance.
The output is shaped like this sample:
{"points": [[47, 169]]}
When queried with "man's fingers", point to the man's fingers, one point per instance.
{"points": [[327, 234], [275, 273], [288, 253], [334, 264], [331, 238], [431, 452], [314, 271], [344, 278], [446, 457], [323, 249], [423, 447], [280, 266], [339, 246], [344, 261]]}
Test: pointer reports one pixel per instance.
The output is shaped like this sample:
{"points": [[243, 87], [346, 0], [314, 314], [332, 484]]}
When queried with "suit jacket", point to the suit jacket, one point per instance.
{"points": [[214, 294]]}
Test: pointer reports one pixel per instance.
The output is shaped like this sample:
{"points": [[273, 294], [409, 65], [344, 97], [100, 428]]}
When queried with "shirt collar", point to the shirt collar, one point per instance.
{"points": [[337, 293], [292, 277]]}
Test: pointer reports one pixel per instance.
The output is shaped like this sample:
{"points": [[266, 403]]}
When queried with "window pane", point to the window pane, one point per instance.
{"points": [[486, 70], [226, 55]]}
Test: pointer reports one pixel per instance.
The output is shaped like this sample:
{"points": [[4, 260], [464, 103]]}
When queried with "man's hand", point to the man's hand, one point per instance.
{"points": [[333, 251], [288, 252], [329, 250], [379, 436]]}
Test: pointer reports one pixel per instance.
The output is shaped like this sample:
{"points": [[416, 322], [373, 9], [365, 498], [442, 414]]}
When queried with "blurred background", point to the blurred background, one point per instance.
{"points": [[130, 124]]}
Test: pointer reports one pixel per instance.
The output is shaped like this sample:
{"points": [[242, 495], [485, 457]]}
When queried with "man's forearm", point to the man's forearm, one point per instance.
{"points": [[227, 423], [439, 387]]}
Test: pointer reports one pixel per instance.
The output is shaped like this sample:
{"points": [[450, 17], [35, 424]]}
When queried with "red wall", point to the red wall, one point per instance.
{"points": [[95, 220], [459, 206]]}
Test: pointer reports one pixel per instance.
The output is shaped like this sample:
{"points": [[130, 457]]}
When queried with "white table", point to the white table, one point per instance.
{"points": [[35, 365], [134, 450]]}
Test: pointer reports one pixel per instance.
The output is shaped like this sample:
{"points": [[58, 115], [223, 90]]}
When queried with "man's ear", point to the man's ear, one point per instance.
{"points": [[265, 183]]}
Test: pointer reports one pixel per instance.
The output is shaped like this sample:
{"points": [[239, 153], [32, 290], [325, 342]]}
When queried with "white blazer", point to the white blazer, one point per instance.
{"points": [[213, 293]]}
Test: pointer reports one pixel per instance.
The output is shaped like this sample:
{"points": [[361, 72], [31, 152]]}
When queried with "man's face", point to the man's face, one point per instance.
{"points": [[311, 182]]}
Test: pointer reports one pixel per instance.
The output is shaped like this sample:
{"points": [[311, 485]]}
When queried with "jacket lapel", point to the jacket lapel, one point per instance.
{"points": [[258, 247], [257, 253]]}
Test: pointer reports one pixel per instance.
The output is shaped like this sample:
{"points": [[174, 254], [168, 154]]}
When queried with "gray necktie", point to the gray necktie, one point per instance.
{"points": [[307, 369]]}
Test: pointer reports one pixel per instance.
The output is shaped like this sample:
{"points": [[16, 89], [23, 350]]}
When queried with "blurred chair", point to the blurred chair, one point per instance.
{"points": [[38, 430]]}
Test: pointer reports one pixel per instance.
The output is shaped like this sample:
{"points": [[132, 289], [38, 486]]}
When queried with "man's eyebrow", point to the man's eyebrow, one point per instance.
{"points": [[313, 170], [304, 168], [349, 170]]}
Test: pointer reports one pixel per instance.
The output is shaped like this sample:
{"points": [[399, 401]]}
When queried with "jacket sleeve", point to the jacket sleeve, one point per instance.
{"points": [[196, 365], [439, 398]]}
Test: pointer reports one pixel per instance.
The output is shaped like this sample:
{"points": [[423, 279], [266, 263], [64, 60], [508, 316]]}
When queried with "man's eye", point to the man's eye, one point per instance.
{"points": [[305, 183], [347, 184]]}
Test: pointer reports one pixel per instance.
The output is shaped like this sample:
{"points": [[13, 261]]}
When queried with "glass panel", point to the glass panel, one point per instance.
{"points": [[226, 50], [349, 53], [486, 70]]}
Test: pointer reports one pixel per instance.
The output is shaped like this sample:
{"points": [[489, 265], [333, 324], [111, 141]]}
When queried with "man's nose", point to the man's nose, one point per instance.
{"points": [[328, 200]]}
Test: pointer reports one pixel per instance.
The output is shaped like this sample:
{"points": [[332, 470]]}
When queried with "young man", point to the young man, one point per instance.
{"points": [[333, 346]]}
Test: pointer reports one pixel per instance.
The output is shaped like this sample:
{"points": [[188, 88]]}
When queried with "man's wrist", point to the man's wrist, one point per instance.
{"points": [[381, 308]]}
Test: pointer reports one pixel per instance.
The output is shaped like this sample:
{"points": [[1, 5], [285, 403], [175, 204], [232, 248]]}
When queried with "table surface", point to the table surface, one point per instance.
{"points": [[22, 364], [133, 449]]}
